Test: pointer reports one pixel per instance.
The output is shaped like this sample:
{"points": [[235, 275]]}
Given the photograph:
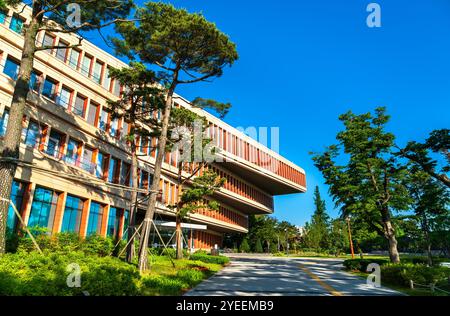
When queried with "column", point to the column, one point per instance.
{"points": [[84, 218], [59, 212]]}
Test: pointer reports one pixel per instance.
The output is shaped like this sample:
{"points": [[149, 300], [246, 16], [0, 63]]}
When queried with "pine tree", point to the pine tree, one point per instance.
{"points": [[318, 233]]}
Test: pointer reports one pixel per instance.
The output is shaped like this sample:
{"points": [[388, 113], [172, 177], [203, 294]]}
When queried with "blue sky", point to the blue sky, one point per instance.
{"points": [[302, 63]]}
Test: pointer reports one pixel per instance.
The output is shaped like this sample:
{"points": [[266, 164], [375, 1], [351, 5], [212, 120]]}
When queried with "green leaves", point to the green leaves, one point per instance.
{"points": [[421, 154], [193, 197], [368, 179], [221, 108], [176, 41]]}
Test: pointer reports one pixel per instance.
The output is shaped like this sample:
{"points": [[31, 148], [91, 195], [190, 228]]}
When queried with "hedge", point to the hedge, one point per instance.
{"points": [[401, 274], [361, 264], [210, 259]]}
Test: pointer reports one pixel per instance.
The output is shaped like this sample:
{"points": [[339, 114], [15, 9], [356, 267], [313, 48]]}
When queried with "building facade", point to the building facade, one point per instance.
{"points": [[75, 175]]}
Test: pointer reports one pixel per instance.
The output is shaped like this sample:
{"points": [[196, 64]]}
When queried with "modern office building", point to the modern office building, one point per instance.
{"points": [[80, 173]]}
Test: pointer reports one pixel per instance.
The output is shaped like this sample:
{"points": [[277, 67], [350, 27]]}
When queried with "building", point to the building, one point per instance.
{"points": [[80, 175]]}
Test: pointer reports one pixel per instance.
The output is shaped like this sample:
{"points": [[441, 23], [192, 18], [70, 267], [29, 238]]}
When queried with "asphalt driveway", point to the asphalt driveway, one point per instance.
{"points": [[253, 275]]}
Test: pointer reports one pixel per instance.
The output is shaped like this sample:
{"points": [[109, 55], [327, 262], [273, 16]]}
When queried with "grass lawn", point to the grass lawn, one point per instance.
{"points": [[165, 279]]}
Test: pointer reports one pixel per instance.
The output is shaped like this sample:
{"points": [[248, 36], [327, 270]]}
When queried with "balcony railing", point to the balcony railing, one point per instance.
{"points": [[57, 152]]}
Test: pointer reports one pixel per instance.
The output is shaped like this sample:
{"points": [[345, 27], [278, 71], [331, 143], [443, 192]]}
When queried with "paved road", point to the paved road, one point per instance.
{"points": [[250, 275]]}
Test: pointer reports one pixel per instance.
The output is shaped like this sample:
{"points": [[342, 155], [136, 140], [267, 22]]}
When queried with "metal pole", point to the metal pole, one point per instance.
{"points": [[350, 238]]}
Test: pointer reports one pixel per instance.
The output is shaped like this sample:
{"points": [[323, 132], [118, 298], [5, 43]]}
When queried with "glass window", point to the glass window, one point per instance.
{"points": [[74, 58], [86, 65], [103, 120], [11, 68], [95, 219], [17, 192], [116, 88], [79, 105], [125, 178], [54, 144], [2, 17], [124, 129], [72, 214], [107, 81], [92, 114], [113, 127], [49, 89], [97, 71], [16, 24], [34, 81], [4, 122], [48, 40], [126, 218], [43, 208], [113, 222], [113, 168], [61, 53], [72, 151], [99, 169], [64, 98], [88, 157], [32, 134]]}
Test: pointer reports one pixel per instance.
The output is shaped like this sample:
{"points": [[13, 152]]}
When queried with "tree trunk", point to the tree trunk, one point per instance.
{"points": [[426, 231], [179, 232], [392, 240], [179, 238], [389, 233], [133, 203], [11, 142], [151, 207]]}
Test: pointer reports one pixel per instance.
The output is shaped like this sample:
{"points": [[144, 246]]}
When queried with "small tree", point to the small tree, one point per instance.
{"points": [[188, 49], [430, 201], [244, 247], [187, 130], [258, 246], [49, 16], [140, 98], [318, 233]]}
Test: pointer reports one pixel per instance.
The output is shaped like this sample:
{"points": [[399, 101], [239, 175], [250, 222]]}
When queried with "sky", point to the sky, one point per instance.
{"points": [[303, 63]]}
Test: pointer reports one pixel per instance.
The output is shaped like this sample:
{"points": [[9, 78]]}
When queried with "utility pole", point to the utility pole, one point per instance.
{"points": [[350, 238]]}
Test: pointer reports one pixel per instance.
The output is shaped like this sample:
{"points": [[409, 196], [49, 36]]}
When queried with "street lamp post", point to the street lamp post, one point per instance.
{"points": [[287, 243], [350, 238]]}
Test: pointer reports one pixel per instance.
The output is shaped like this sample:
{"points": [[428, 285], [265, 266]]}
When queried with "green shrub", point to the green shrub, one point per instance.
{"points": [[401, 274], [210, 259], [201, 252], [361, 264], [33, 274], [97, 245], [423, 260]]}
